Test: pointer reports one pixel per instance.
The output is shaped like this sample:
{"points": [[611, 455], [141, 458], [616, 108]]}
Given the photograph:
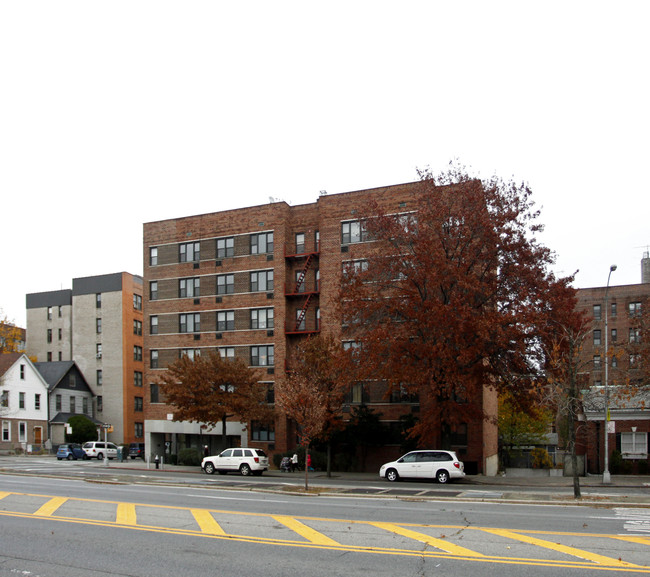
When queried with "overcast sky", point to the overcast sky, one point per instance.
{"points": [[116, 113]]}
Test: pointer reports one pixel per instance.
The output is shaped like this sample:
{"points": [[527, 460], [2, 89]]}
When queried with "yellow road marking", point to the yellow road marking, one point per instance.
{"points": [[3, 494], [307, 532], [633, 539], [351, 548], [206, 522], [51, 506], [126, 514], [582, 554], [437, 543]]}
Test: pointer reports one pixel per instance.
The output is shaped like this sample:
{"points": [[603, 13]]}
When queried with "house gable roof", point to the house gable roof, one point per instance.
{"points": [[7, 360], [55, 372]]}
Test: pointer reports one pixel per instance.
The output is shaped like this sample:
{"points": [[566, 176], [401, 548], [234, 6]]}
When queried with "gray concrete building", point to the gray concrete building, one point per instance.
{"points": [[98, 325]]}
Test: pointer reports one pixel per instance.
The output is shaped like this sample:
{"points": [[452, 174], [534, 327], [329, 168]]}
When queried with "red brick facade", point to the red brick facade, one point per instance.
{"points": [[228, 287], [621, 316]]}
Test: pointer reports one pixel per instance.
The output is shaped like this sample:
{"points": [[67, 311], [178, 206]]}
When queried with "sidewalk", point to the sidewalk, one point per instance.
{"points": [[473, 487]]}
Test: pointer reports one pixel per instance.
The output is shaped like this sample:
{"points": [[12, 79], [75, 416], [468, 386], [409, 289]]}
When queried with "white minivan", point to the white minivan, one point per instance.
{"points": [[99, 450]]}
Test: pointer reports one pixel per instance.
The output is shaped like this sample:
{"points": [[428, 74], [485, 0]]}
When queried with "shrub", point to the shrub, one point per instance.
{"points": [[541, 459], [189, 457]]}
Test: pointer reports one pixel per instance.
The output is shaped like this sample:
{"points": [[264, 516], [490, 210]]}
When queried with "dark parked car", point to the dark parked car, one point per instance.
{"points": [[71, 451], [136, 450]]}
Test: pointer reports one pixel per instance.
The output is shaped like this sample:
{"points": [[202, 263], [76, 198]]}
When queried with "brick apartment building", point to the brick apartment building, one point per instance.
{"points": [[250, 283], [629, 413], [98, 325]]}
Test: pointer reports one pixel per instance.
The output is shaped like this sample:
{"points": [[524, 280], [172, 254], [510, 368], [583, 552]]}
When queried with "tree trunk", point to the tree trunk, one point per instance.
{"points": [[329, 458], [224, 437], [306, 468], [573, 407]]}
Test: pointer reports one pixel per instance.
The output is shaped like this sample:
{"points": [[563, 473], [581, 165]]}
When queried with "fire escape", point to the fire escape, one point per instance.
{"points": [[301, 264]]}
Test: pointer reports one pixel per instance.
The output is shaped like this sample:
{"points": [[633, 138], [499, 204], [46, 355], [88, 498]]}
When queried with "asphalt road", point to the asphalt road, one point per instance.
{"points": [[120, 523]]}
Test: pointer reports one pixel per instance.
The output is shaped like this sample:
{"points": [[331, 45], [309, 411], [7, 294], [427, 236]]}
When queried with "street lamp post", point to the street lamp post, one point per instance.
{"points": [[606, 476]]}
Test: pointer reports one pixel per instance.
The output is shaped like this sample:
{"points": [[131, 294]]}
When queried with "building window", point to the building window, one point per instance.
{"points": [[154, 391], [22, 432], [49, 313], [49, 356], [614, 335], [6, 431], [635, 360], [262, 356], [635, 335], [225, 284], [21, 400], [597, 362], [597, 312], [100, 377], [262, 281], [98, 326], [57, 403], [634, 309], [225, 247], [262, 243], [227, 352], [73, 405], [225, 321], [137, 328], [634, 445], [190, 353], [262, 318], [137, 379], [100, 403], [189, 287], [357, 394], [153, 359], [153, 256], [60, 311], [614, 310], [137, 302], [317, 241], [353, 231], [190, 323], [139, 430], [37, 402], [300, 281], [300, 319], [189, 252], [98, 350], [137, 353], [49, 335], [138, 404], [300, 242], [84, 405], [60, 334], [597, 338], [22, 372], [263, 432], [153, 290], [4, 399], [318, 318], [153, 325], [98, 300], [614, 362]]}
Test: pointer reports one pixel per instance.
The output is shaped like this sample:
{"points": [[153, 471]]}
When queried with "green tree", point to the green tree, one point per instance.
{"points": [[83, 429]]}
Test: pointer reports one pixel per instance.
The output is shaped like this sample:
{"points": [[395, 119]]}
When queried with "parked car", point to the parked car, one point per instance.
{"points": [[98, 450], [136, 450], [440, 465], [70, 451], [246, 461]]}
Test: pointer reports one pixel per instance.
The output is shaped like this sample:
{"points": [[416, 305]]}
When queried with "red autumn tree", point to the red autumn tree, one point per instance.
{"points": [[313, 390], [210, 389], [454, 295]]}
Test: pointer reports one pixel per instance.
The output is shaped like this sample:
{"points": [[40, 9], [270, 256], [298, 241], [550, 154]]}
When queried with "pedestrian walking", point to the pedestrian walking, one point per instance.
{"points": [[294, 462]]}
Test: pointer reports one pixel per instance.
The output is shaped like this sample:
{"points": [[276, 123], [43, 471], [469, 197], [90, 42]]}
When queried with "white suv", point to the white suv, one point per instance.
{"points": [[439, 465], [245, 461], [99, 449]]}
